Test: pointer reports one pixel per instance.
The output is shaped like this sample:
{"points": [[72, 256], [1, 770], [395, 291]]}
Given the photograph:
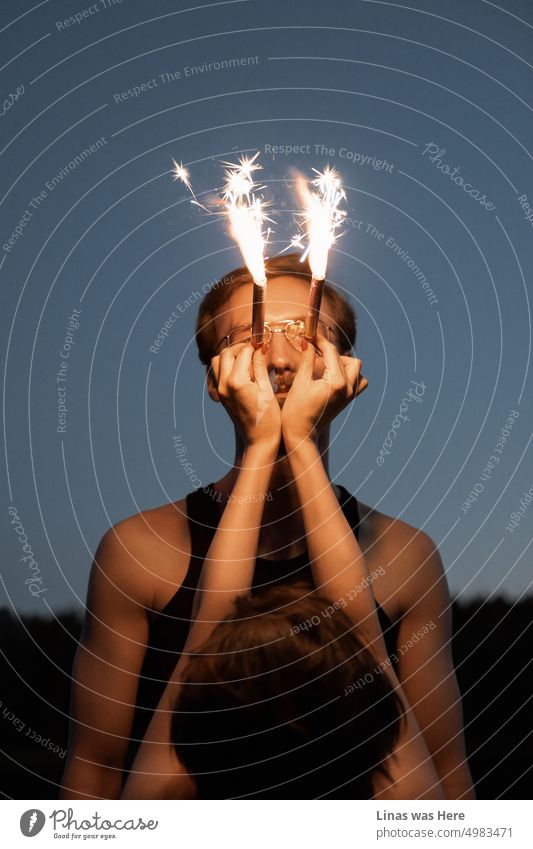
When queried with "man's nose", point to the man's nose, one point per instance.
{"points": [[280, 354]]}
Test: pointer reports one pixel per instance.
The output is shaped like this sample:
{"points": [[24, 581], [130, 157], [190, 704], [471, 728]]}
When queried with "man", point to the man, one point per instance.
{"points": [[229, 674], [143, 561]]}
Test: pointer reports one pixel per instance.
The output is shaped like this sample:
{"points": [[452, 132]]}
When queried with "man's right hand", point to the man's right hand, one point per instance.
{"points": [[244, 388]]}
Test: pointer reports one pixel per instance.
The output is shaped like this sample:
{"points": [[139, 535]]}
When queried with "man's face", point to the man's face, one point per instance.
{"points": [[286, 297]]}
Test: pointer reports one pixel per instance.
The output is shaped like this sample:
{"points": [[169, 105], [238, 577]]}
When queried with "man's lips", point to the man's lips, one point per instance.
{"points": [[281, 388]]}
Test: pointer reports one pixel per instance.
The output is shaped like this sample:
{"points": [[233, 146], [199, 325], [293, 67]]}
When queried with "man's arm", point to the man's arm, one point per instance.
{"points": [[337, 562], [426, 668], [340, 573], [106, 669]]}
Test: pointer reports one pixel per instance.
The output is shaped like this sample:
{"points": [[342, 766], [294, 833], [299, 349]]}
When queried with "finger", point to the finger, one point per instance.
{"points": [[307, 364], [342, 365], [352, 368], [265, 394], [227, 361], [215, 368], [260, 372], [242, 367], [332, 371]]}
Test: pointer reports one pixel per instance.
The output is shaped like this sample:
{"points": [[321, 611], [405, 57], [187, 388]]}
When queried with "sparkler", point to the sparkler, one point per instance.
{"points": [[321, 219], [246, 216]]}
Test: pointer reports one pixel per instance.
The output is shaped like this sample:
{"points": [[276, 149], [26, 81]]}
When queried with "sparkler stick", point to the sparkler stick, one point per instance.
{"points": [[246, 219], [321, 218]]}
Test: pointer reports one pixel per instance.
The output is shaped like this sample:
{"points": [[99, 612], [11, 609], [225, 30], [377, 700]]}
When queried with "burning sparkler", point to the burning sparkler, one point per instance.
{"points": [[321, 219], [246, 216]]}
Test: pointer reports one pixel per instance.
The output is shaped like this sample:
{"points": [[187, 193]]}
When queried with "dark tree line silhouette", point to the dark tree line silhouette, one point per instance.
{"points": [[493, 642]]}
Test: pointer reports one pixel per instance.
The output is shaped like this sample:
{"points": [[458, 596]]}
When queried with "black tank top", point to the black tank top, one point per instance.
{"points": [[169, 628]]}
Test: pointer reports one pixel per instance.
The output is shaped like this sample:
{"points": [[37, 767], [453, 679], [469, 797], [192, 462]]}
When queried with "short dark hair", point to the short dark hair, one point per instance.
{"points": [[278, 266], [269, 709]]}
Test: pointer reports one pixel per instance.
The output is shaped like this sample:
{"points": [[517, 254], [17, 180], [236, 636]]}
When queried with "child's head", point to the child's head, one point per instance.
{"points": [[269, 708]]}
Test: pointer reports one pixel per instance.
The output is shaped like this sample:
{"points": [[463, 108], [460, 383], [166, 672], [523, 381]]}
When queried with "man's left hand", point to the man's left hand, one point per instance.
{"points": [[311, 404]]}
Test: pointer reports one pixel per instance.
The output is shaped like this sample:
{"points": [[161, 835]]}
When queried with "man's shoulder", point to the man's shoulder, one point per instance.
{"points": [[166, 519], [379, 527], [409, 555], [149, 536], [147, 552]]}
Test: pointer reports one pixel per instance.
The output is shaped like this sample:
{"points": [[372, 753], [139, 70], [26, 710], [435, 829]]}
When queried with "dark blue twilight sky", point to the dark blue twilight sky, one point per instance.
{"points": [[390, 94]]}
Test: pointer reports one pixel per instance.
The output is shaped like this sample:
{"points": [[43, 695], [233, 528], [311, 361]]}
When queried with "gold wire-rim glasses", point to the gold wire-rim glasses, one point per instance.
{"points": [[270, 328]]}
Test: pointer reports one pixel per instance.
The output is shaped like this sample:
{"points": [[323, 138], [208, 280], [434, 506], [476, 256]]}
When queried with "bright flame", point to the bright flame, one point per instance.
{"points": [[321, 217], [246, 214]]}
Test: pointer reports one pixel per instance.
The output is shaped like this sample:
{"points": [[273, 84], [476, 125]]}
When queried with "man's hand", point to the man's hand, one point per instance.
{"points": [[312, 404], [242, 382]]}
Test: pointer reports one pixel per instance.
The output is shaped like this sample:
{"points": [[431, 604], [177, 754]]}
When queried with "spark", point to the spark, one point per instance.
{"points": [[243, 172], [182, 173], [297, 242]]}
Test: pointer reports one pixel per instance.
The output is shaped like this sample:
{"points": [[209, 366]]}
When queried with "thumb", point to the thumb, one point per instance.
{"points": [[265, 392], [259, 370], [307, 363]]}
